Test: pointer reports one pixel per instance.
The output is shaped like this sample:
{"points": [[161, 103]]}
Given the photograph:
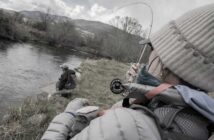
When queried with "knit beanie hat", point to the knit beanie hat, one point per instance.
{"points": [[186, 47]]}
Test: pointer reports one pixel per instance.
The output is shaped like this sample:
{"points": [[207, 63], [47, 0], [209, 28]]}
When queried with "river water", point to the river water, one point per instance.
{"points": [[26, 68]]}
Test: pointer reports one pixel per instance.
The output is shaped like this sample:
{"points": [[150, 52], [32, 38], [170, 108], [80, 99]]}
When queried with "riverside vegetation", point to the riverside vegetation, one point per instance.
{"points": [[29, 120], [88, 36]]}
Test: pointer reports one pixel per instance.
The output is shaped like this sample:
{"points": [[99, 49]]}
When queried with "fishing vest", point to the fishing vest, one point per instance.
{"points": [[174, 118]]}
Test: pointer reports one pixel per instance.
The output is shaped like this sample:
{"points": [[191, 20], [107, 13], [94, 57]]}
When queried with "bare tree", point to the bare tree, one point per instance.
{"points": [[62, 33], [46, 19], [127, 24], [125, 46], [17, 17], [7, 25]]}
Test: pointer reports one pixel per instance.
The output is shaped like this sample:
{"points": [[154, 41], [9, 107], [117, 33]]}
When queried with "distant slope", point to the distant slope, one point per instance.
{"points": [[94, 37], [35, 16], [91, 26], [113, 40]]}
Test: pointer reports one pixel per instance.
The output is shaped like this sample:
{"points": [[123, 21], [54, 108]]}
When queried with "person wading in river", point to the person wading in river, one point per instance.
{"points": [[66, 80]]}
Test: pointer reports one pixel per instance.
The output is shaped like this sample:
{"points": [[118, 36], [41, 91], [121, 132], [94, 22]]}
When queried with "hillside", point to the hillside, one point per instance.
{"points": [[89, 36], [108, 40]]}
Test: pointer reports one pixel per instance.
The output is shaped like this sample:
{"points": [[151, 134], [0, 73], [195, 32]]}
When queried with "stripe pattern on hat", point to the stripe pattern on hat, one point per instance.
{"points": [[186, 47]]}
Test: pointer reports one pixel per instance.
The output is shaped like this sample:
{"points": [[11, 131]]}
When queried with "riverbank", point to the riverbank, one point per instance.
{"points": [[29, 120], [99, 39]]}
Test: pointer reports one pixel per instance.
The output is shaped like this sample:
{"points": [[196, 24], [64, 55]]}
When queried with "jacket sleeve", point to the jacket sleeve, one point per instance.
{"points": [[198, 100], [62, 124], [60, 127], [120, 124]]}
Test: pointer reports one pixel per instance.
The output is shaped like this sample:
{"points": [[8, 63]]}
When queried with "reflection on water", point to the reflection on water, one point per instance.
{"points": [[25, 68]]}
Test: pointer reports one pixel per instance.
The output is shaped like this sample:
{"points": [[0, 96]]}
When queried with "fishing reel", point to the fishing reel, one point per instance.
{"points": [[116, 86]]}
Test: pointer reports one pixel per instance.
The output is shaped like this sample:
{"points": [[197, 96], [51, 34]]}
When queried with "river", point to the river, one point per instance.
{"points": [[26, 68]]}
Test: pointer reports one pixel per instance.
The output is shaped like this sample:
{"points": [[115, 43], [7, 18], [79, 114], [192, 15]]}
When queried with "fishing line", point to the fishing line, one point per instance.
{"points": [[118, 82], [143, 49]]}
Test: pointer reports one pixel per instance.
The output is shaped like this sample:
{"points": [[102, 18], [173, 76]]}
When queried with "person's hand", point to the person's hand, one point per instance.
{"points": [[88, 112], [132, 72], [83, 114], [76, 104], [67, 123]]}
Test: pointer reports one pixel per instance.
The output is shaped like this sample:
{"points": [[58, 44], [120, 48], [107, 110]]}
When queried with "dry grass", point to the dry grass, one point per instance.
{"points": [[18, 128], [94, 85], [95, 81]]}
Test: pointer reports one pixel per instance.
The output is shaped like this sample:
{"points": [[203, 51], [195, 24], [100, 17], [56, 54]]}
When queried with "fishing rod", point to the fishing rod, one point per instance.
{"points": [[151, 24], [116, 85]]}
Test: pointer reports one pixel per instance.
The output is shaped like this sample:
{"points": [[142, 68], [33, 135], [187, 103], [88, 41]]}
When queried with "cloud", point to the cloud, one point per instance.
{"points": [[96, 10], [102, 10], [17, 5], [58, 7], [163, 10], [78, 9]]}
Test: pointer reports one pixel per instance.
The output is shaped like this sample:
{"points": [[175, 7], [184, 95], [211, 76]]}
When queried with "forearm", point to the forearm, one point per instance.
{"points": [[74, 119], [62, 124], [60, 127]]}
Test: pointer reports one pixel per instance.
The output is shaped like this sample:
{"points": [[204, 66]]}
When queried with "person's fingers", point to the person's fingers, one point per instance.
{"points": [[138, 65], [82, 101], [101, 113], [135, 66], [131, 79], [131, 72]]}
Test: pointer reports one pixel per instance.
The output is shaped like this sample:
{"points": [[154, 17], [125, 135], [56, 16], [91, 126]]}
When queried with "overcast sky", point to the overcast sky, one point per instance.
{"points": [[104, 10]]}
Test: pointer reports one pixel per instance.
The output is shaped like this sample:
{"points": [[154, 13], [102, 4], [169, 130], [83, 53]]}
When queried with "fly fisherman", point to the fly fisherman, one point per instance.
{"points": [[171, 100], [66, 80]]}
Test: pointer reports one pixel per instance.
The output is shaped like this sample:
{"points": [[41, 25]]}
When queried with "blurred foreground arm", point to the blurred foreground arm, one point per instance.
{"points": [[75, 117]]}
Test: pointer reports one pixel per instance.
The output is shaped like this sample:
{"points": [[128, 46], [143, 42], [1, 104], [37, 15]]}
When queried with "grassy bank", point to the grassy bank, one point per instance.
{"points": [[29, 120]]}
